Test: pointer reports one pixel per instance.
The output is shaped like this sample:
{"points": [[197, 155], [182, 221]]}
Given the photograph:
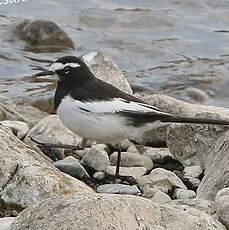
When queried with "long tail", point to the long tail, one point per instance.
{"points": [[194, 120]]}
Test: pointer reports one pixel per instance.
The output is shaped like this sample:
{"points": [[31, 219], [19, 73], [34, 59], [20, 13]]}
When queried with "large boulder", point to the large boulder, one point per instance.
{"points": [[106, 211], [158, 137], [51, 130], [13, 112], [42, 35], [216, 164], [104, 67], [26, 177]]}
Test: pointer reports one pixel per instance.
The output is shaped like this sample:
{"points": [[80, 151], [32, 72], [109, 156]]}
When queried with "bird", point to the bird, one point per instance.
{"points": [[97, 110]]}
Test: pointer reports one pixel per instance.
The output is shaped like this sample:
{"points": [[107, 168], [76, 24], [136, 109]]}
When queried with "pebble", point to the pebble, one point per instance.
{"points": [[118, 189], [156, 195], [72, 167], [99, 176], [183, 194], [157, 155], [132, 160], [96, 159], [193, 171], [161, 179]]}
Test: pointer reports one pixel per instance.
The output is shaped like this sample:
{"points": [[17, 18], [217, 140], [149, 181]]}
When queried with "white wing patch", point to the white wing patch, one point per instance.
{"points": [[59, 66], [113, 106]]}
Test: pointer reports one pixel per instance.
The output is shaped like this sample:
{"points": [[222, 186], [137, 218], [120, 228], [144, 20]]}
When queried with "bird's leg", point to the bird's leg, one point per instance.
{"points": [[117, 164]]}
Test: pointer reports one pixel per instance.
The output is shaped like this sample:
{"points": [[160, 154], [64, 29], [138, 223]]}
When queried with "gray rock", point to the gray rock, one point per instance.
{"points": [[216, 164], [104, 67], [124, 145], [222, 206], [196, 94], [132, 160], [27, 177], [118, 189], [193, 171], [206, 206], [111, 211], [189, 147], [72, 167], [99, 176], [157, 155], [161, 179], [156, 195], [183, 194], [13, 112], [40, 34], [221, 193], [6, 222], [19, 128], [127, 171], [82, 153], [51, 130], [132, 149], [97, 159]]}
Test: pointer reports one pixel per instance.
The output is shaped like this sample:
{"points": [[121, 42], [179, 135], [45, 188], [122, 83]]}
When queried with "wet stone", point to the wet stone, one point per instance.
{"points": [[42, 33]]}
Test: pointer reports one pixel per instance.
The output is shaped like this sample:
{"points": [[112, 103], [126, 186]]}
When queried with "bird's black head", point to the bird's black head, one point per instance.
{"points": [[70, 69]]}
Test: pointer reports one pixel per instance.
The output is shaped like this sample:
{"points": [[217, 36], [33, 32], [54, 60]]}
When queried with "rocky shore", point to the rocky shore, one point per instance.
{"points": [[182, 185], [180, 173]]}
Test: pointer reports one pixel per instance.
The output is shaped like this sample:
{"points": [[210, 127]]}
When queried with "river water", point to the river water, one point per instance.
{"points": [[176, 47]]}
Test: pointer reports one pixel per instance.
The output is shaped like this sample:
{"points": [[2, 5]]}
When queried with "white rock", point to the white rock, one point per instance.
{"points": [[156, 195], [109, 211], [161, 179], [193, 171], [5, 222], [118, 189], [19, 128], [183, 194], [27, 177]]}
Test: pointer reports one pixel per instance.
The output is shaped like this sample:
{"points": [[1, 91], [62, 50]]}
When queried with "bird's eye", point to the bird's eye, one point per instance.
{"points": [[66, 69]]}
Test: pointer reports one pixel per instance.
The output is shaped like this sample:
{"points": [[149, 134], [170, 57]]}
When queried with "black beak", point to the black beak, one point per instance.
{"points": [[45, 73]]}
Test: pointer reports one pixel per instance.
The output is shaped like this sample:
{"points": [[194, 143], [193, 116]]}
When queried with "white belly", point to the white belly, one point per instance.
{"points": [[98, 124], [107, 128]]}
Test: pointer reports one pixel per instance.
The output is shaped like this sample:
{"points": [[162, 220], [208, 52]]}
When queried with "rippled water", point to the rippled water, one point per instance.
{"points": [[165, 45]]}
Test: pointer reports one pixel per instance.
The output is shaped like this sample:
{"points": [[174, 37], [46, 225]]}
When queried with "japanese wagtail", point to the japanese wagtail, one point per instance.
{"points": [[96, 110]]}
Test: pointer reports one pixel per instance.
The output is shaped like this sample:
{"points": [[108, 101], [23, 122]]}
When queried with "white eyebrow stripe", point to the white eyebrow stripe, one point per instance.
{"points": [[59, 66]]}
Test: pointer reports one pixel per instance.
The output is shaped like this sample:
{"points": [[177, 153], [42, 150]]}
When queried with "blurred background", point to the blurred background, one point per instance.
{"points": [[175, 47]]}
